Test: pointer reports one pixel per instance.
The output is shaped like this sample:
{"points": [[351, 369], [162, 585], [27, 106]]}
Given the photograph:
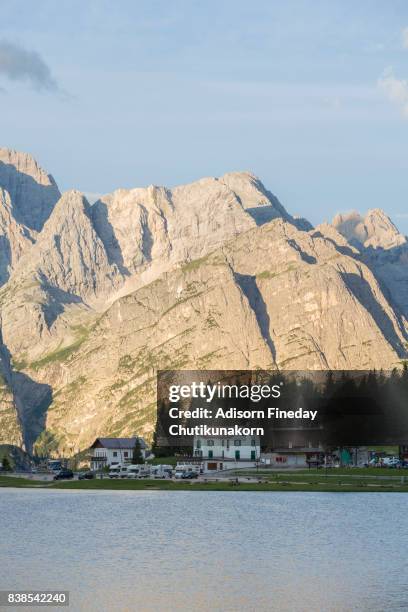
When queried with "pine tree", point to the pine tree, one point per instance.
{"points": [[6, 464], [137, 457]]}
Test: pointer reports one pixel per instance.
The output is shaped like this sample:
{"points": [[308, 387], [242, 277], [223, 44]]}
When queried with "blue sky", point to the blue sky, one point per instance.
{"points": [[311, 96]]}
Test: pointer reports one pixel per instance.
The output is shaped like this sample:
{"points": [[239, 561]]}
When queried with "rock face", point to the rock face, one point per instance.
{"points": [[32, 191], [14, 237], [383, 248], [235, 308], [215, 274], [375, 230], [10, 424], [27, 197]]}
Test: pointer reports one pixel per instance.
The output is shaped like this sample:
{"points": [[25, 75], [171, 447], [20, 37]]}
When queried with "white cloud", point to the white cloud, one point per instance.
{"points": [[395, 89], [405, 38]]}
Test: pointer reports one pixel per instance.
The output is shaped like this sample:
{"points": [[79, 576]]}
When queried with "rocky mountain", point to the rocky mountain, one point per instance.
{"points": [[27, 197], [214, 274], [32, 191], [384, 250]]}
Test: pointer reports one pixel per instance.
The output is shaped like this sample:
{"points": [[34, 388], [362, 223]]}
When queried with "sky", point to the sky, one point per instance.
{"points": [[311, 96]]}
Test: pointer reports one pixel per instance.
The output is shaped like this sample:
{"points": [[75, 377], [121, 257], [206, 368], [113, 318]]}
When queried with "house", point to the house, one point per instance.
{"points": [[227, 452], [297, 457], [111, 451], [294, 446]]}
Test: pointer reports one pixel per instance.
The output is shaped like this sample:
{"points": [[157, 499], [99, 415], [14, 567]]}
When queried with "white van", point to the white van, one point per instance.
{"points": [[138, 471], [161, 471], [118, 471], [134, 471]]}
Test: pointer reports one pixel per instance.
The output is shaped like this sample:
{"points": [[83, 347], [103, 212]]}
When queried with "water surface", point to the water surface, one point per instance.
{"points": [[164, 550]]}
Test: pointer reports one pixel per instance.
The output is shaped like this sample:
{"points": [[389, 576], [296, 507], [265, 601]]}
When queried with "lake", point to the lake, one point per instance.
{"points": [[164, 550]]}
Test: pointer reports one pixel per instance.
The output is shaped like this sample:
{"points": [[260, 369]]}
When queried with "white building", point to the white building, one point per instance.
{"points": [[112, 451], [227, 453]]}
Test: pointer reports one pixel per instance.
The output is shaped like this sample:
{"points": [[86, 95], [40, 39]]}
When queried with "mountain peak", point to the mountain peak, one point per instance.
{"points": [[375, 229], [33, 192]]}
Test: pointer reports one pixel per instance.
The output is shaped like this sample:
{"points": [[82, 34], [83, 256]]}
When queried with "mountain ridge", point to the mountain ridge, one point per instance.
{"points": [[211, 274]]}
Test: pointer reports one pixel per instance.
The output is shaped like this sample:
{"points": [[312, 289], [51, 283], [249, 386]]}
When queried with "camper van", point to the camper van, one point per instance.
{"points": [[161, 471], [138, 471], [118, 471]]}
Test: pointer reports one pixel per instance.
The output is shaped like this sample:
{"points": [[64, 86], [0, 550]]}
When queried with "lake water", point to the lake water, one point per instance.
{"points": [[159, 550]]}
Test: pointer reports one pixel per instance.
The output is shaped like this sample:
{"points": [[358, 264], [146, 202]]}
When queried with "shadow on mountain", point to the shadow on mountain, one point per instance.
{"points": [[57, 300], [248, 285], [5, 259], [147, 238], [305, 256], [361, 290], [262, 214], [394, 287], [344, 250], [42, 198], [106, 233], [32, 399]]}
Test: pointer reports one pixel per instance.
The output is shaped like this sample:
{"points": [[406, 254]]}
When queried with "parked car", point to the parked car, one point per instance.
{"points": [[390, 461], [399, 464], [189, 467], [64, 474], [86, 476], [189, 475]]}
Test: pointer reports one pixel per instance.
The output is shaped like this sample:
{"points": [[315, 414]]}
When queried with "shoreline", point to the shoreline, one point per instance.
{"points": [[303, 485]]}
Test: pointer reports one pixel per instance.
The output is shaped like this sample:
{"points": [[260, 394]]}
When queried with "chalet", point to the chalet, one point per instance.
{"points": [[112, 451], [227, 452]]}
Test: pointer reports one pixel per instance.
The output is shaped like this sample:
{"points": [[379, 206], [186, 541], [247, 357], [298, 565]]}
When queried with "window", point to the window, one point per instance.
{"points": [[253, 442], [210, 442], [115, 453], [198, 445], [253, 455], [237, 442], [237, 455], [210, 454], [126, 454]]}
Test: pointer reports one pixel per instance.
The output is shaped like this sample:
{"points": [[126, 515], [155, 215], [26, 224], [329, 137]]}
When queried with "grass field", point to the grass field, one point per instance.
{"points": [[367, 480]]}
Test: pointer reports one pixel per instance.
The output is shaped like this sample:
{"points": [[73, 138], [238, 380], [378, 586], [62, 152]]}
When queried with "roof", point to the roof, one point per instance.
{"points": [[120, 443]]}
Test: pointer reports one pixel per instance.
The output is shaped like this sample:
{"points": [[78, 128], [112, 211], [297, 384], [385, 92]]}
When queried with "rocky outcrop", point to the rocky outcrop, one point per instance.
{"points": [[10, 424], [375, 230], [27, 197], [15, 238], [383, 248], [33, 192]]}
